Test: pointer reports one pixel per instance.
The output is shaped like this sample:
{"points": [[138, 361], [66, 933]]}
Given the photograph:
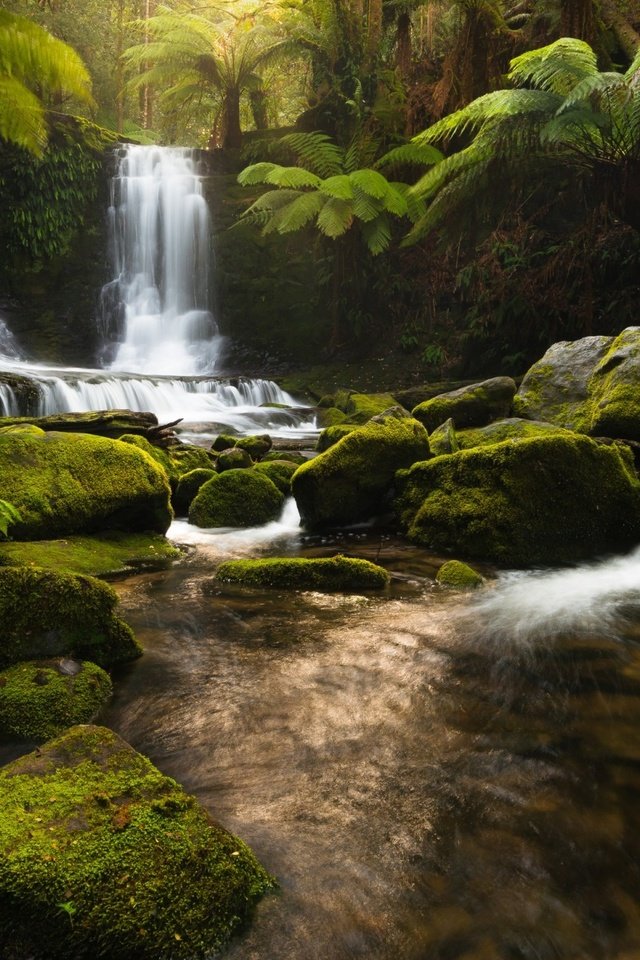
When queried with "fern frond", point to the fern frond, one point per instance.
{"points": [[292, 177], [598, 84], [415, 207], [21, 116], [256, 173], [377, 234], [317, 152], [419, 154], [370, 182], [395, 201], [300, 212], [338, 186], [335, 218], [557, 67], [365, 207]]}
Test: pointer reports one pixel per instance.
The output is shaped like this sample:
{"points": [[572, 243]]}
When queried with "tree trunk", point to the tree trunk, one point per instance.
{"points": [[119, 67], [231, 130], [258, 101], [627, 37], [146, 94], [374, 31], [577, 19], [403, 44]]}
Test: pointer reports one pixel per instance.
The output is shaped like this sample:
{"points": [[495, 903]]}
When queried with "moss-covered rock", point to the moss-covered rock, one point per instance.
{"points": [[292, 456], [256, 446], [471, 406], [330, 416], [279, 472], [360, 407], [444, 439], [101, 855], [331, 435], [224, 441], [40, 699], [459, 575], [541, 501], [64, 483], [111, 552], [187, 487], [44, 614], [300, 573], [233, 459], [101, 423], [236, 498], [614, 389], [174, 460], [350, 480], [513, 428]]}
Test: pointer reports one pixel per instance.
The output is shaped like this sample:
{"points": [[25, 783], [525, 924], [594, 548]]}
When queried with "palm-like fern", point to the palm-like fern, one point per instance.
{"points": [[333, 190], [34, 65], [562, 111]]}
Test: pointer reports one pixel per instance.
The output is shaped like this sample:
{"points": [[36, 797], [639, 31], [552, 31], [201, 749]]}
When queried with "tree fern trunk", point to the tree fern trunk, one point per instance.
{"points": [[231, 130], [403, 44], [577, 19]]}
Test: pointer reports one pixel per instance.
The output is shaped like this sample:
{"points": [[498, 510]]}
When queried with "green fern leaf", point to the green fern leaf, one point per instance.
{"points": [[377, 234], [557, 67], [317, 152], [339, 186], [256, 173], [300, 212], [292, 177], [419, 154], [335, 218], [370, 182]]}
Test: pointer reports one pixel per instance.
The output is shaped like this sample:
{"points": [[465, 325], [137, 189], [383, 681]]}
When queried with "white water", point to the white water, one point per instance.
{"points": [[160, 251], [234, 541]]}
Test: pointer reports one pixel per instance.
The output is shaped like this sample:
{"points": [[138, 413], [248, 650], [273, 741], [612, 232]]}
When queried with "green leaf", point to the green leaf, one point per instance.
{"points": [[338, 186], [292, 177], [335, 218], [370, 182]]}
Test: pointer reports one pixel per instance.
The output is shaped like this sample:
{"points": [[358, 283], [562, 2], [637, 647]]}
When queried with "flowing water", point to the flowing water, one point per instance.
{"points": [[430, 776]]}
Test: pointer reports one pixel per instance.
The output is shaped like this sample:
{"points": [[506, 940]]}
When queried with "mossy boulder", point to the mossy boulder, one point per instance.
{"points": [[101, 855], [291, 456], [350, 480], [444, 439], [514, 428], [45, 614], [40, 699], [614, 389], [330, 416], [556, 388], [301, 573], [233, 459], [471, 406], [175, 460], [459, 575], [187, 487], [331, 435], [360, 407], [101, 423], [65, 483], [236, 498], [546, 500], [279, 472], [224, 441], [111, 552], [256, 446]]}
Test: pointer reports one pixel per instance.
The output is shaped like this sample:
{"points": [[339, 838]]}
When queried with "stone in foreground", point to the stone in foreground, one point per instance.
{"points": [[459, 575], [301, 573], [103, 856], [236, 498], [547, 500]]}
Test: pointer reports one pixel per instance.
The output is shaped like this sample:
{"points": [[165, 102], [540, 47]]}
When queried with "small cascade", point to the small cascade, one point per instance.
{"points": [[9, 349], [155, 311]]}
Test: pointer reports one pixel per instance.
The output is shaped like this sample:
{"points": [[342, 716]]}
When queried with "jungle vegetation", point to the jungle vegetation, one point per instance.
{"points": [[467, 172]]}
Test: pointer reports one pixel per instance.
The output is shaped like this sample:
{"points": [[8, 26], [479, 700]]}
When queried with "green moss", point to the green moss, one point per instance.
{"points": [[331, 435], [256, 446], [64, 483], [236, 498], [614, 392], [540, 501], [444, 439], [291, 456], [108, 553], [299, 573], [360, 407], [350, 480], [224, 441], [46, 614], [38, 701], [187, 487], [471, 406], [103, 856], [279, 472], [233, 459], [511, 429], [174, 460], [456, 574], [330, 417]]}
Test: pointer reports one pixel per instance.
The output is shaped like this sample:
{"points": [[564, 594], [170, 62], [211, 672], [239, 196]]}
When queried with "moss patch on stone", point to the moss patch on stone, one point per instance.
{"points": [[101, 855], [510, 429], [471, 406], [174, 460], [236, 498], [300, 573], [444, 439], [38, 701], [46, 614], [331, 435], [541, 501], [106, 554], [256, 446], [292, 456], [187, 487], [455, 573], [235, 458], [330, 416], [65, 483], [279, 472], [350, 480]]}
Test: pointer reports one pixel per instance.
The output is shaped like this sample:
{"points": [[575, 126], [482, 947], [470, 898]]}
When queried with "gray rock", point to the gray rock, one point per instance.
{"points": [[472, 406]]}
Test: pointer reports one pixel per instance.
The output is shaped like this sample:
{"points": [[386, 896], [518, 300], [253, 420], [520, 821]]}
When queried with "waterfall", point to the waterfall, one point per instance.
{"points": [[155, 310]]}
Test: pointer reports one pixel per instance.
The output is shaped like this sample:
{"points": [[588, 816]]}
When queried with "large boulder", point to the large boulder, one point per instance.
{"points": [[513, 428], [470, 406], [540, 501], [176, 459], [236, 498], [350, 480], [615, 389], [556, 388], [45, 614], [64, 483], [101, 855]]}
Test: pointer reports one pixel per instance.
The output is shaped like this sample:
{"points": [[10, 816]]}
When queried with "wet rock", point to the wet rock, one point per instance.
{"points": [[471, 406], [444, 439], [101, 423], [101, 855], [176, 460], [236, 498], [256, 446], [459, 575], [279, 472], [233, 459]]}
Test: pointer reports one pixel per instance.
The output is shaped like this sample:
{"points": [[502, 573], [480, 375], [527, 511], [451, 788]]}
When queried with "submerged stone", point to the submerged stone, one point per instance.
{"points": [[301, 573], [349, 481], [545, 500], [40, 699], [44, 614], [459, 575], [470, 406], [236, 498], [101, 855], [64, 483]]}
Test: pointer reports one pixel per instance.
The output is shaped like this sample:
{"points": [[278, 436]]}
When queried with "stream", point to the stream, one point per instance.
{"points": [[423, 786]]}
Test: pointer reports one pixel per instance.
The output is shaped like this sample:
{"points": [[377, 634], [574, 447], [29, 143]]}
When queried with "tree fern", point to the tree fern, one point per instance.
{"points": [[317, 152], [335, 217]]}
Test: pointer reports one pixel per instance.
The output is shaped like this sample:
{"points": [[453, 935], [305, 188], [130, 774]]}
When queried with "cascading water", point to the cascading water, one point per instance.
{"points": [[160, 250], [161, 342]]}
